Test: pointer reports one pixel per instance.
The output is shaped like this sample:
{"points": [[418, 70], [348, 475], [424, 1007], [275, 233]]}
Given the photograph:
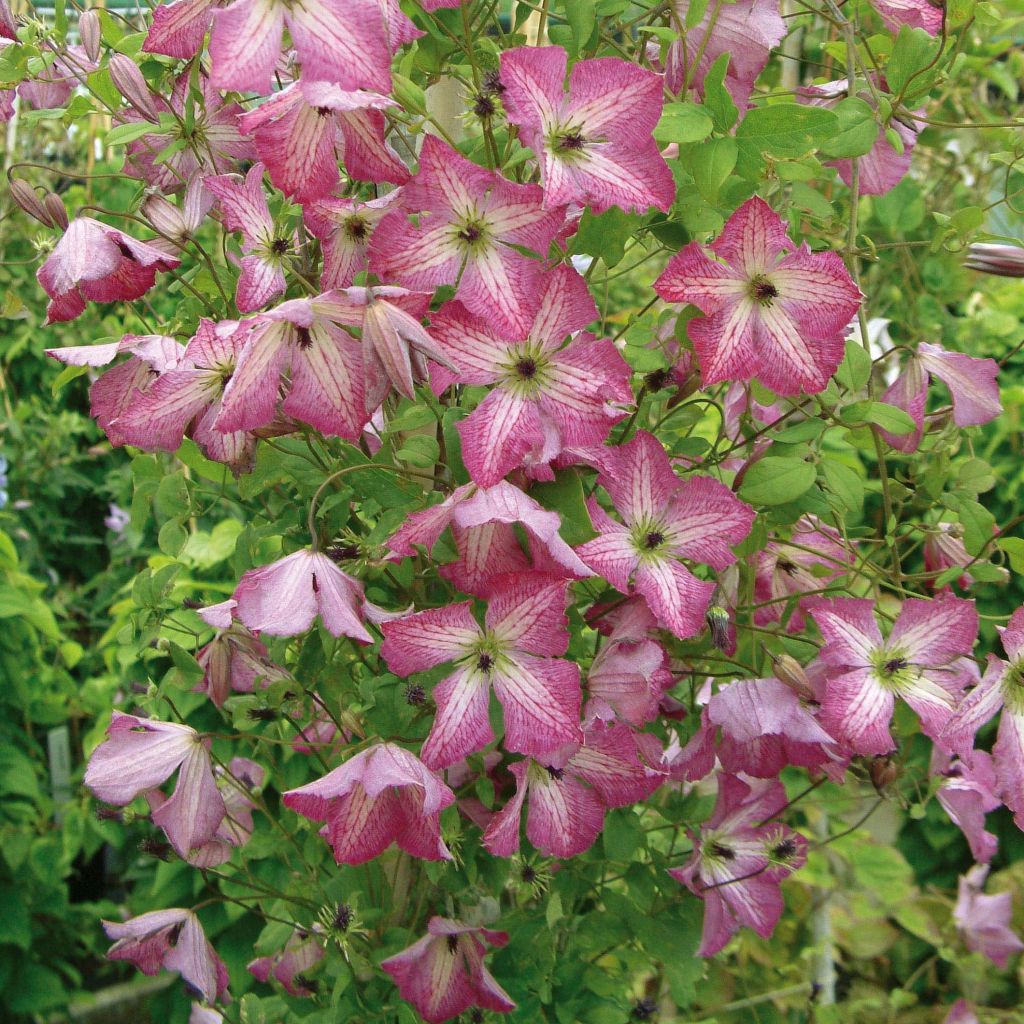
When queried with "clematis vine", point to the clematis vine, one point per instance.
{"points": [[773, 311], [665, 519], [517, 652], [919, 662], [381, 796], [594, 145]]}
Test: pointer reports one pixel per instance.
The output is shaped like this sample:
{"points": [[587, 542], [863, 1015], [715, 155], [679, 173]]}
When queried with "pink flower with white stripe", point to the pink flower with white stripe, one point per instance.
{"points": [[94, 263], [984, 920], [303, 951], [773, 311], [324, 364], [171, 939], [944, 549], [972, 384], [481, 520], [594, 143], [443, 973], [266, 246], [340, 41], [913, 13], [284, 598], [548, 395], [188, 399], [918, 662], [471, 224], [665, 519], [967, 792], [113, 392], [345, 228], [740, 860], [140, 755], [627, 681], [570, 789], [1001, 687], [517, 652], [381, 796], [303, 131]]}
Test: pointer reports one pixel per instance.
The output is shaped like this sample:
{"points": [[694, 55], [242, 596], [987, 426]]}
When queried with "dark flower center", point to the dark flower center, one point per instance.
{"points": [[324, 111], [483, 106], [415, 696], [644, 1009], [304, 341], [492, 81], [787, 567], [343, 552], [654, 540], [555, 773], [894, 665], [784, 850], [470, 233], [763, 291], [528, 874], [261, 714], [527, 368], [343, 917], [453, 944], [723, 851], [573, 141], [279, 246], [485, 663], [356, 228]]}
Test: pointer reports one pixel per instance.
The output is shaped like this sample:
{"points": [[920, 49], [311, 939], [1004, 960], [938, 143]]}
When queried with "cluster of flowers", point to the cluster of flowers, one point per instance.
{"points": [[515, 323]]}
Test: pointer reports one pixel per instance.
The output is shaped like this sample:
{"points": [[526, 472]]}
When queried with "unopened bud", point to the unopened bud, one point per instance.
{"points": [[25, 196], [89, 33], [128, 81], [789, 671], [55, 208], [165, 217], [717, 619], [884, 771], [1001, 260]]}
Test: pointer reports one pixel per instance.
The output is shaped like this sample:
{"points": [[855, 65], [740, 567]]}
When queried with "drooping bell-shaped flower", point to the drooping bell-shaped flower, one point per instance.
{"points": [[517, 652], [481, 520], [303, 131], [773, 311], [303, 951], [548, 395], [569, 792], [593, 141], [967, 792], [443, 974], [284, 598], [234, 661], [171, 939], [381, 796], [984, 920], [918, 663], [626, 681], [665, 519], [740, 859], [94, 263], [140, 755], [472, 224]]}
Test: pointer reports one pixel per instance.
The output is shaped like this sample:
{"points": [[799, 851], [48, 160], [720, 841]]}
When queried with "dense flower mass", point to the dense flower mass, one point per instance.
{"points": [[535, 521]]}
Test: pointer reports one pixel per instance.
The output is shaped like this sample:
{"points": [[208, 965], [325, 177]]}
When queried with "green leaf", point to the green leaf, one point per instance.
{"points": [[978, 524], [858, 129], [683, 122], [784, 129], [582, 19], [912, 52], [716, 97], [775, 481], [172, 498], [711, 163], [605, 235], [420, 450], [888, 417], [565, 496], [855, 369], [1014, 548], [844, 484], [172, 537]]}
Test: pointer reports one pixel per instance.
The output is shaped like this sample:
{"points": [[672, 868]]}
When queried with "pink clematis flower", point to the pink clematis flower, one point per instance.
{"points": [[188, 398], [53, 85], [778, 318], [141, 754], [481, 519], [594, 145], [765, 726], [324, 364], [913, 13], [738, 863], [747, 30], [967, 792], [984, 921], [95, 263], [570, 789], [972, 384], [113, 392], [665, 519], [472, 222], [303, 131], [918, 663], [381, 796], [265, 246], [961, 1013], [443, 973], [944, 549], [547, 396], [216, 143], [1000, 687], [172, 939], [303, 951], [517, 652], [345, 228], [340, 41], [813, 557], [284, 598], [234, 661], [627, 681]]}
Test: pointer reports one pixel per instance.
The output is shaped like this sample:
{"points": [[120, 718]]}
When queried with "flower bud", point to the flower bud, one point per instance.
{"points": [[884, 771], [89, 33], [717, 619], [1001, 260], [165, 217], [128, 81], [789, 671], [55, 208], [25, 196]]}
